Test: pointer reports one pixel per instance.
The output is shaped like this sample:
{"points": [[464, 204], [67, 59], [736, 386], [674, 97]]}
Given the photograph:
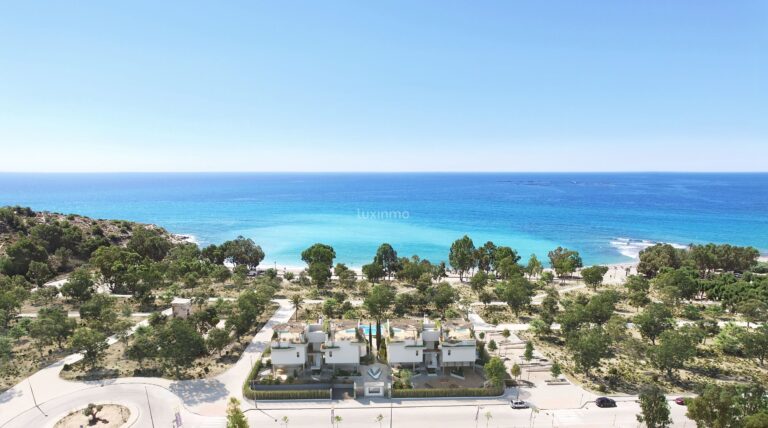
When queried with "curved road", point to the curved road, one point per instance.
{"points": [[201, 403]]}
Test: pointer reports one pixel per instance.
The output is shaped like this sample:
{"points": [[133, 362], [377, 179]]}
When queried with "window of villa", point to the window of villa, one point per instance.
{"points": [[297, 355], [330, 354], [449, 352], [417, 353]]}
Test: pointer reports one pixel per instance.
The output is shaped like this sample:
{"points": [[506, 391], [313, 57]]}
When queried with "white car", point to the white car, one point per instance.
{"points": [[518, 404]]}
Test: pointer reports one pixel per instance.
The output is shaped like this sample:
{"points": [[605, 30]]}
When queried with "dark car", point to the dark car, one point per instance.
{"points": [[605, 402], [680, 401]]}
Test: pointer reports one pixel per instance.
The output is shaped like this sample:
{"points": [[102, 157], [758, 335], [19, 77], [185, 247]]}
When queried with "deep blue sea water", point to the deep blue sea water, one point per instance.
{"points": [[419, 213]]}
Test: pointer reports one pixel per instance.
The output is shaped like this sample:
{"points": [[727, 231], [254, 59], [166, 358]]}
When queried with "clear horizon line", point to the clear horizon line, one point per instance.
{"points": [[396, 172]]}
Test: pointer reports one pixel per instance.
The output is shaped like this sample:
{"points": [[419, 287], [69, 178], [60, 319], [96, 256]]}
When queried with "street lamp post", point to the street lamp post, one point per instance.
{"points": [[34, 400]]}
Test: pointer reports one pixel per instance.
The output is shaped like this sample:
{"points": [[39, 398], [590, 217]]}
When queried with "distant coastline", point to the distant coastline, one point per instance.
{"points": [[607, 217]]}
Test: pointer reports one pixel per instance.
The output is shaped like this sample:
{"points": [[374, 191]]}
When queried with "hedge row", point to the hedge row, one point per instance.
{"points": [[447, 392], [310, 394], [249, 393]]}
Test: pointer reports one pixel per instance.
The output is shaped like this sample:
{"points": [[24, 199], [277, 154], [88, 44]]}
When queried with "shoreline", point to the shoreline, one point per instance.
{"points": [[617, 272]]}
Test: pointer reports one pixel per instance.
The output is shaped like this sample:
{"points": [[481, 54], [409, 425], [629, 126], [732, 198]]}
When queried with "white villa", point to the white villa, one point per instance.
{"points": [[345, 344], [289, 347], [430, 344], [458, 347], [300, 346]]}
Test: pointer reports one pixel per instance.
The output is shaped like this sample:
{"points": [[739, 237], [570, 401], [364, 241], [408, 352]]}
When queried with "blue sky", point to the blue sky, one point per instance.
{"points": [[384, 86]]}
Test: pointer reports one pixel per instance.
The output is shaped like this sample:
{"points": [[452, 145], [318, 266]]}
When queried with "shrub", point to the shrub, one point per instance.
{"points": [[309, 394], [448, 392]]}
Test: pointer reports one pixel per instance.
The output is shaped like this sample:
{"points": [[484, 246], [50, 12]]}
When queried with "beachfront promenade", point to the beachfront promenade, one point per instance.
{"points": [[202, 403]]}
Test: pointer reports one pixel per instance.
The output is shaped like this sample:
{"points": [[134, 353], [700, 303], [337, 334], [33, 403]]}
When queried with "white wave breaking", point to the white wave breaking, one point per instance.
{"points": [[631, 248]]}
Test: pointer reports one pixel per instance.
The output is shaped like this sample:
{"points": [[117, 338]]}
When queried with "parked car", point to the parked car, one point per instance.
{"points": [[518, 404], [605, 402], [680, 401]]}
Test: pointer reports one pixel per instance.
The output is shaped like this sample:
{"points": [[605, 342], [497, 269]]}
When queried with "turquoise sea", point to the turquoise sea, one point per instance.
{"points": [[607, 217]]}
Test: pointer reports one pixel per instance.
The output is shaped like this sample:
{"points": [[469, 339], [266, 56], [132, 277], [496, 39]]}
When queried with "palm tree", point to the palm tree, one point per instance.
{"points": [[337, 420], [379, 419], [285, 420], [296, 301]]}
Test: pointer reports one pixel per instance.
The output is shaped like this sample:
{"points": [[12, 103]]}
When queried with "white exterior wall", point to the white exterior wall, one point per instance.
{"points": [[344, 352], [399, 353], [466, 354], [430, 335], [287, 354], [316, 336]]}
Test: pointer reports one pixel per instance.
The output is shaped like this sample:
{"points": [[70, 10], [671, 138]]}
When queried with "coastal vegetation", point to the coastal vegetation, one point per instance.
{"points": [[688, 319], [111, 270]]}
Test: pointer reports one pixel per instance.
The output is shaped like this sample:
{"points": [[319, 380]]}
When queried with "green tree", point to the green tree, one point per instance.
{"points": [[492, 345], [507, 268], [91, 343], [319, 253], [217, 340], [550, 306], [444, 297], [149, 243], [52, 325], [39, 273], [588, 347], [6, 350], [478, 282], [653, 259], [654, 320], [319, 272], [20, 254], [547, 277], [564, 261], [555, 370], [516, 293], [504, 253], [515, 371], [373, 272], [755, 343], [99, 312], [462, 256], [296, 301], [143, 345], [753, 310], [721, 406], [331, 307], [386, 257], [593, 275], [91, 412], [528, 353], [601, 306], [757, 420], [49, 234], [79, 286], [117, 266], [677, 283], [495, 371], [486, 256], [13, 292], [180, 344], [672, 352], [242, 251], [235, 417], [534, 266], [638, 288], [378, 304], [654, 408]]}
